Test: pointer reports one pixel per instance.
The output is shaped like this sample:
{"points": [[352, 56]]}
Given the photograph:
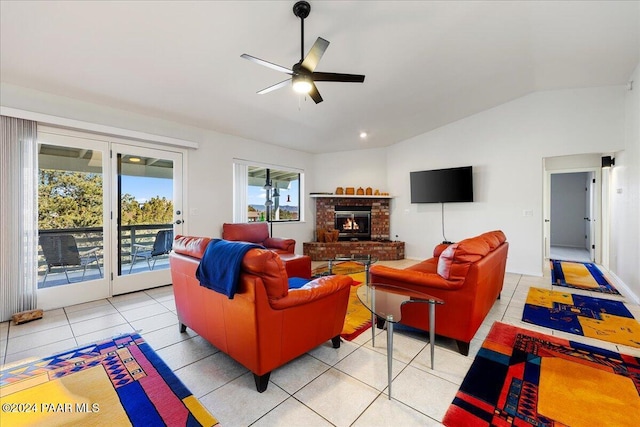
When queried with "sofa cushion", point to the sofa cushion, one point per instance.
{"points": [[471, 250], [454, 262], [191, 246], [500, 235], [491, 239], [267, 265]]}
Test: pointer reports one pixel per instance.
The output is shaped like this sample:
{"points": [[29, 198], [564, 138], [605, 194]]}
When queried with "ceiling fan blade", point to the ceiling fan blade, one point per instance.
{"points": [[337, 77], [267, 64], [314, 94], [310, 61], [274, 87]]}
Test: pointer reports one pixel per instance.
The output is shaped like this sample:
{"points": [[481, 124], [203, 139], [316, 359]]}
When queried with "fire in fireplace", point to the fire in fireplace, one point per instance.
{"points": [[353, 222]]}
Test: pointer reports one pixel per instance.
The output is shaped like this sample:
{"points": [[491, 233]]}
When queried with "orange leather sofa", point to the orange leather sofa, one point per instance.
{"points": [[257, 232], [265, 325], [467, 275]]}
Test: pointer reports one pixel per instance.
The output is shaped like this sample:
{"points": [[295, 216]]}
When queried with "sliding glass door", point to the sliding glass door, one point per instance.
{"points": [[107, 215], [147, 206], [72, 220]]}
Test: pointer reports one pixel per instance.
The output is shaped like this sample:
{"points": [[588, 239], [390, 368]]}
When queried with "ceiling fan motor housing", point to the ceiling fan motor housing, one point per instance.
{"points": [[301, 9]]}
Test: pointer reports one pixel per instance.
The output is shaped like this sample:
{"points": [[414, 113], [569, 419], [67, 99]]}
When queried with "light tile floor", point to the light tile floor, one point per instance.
{"points": [[325, 387], [570, 254]]}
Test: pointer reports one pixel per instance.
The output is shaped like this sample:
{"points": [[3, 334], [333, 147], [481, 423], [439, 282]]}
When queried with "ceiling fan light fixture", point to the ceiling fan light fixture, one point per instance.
{"points": [[301, 84], [303, 74]]}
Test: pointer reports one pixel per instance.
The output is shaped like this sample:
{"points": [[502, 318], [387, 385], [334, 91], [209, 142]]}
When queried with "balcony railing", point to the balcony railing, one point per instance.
{"points": [[88, 238]]}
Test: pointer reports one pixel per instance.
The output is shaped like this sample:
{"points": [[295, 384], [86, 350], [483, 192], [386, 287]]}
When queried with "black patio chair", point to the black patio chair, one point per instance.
{"points": [[161, 246], [61, 250]]}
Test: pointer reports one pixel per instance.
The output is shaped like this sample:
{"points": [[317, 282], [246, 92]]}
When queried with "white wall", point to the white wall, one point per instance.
{"points": [[210, 184], [625, 196], [362, 168], [505, 145], [209, 169]]}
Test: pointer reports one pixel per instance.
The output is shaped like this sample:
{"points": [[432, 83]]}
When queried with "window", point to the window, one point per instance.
{"points": [[264, 193]]}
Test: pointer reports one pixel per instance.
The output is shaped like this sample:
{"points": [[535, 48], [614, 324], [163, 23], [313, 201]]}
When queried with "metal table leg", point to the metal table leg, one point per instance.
{"points": [[373, 318], [389, 350], [432, 329]]}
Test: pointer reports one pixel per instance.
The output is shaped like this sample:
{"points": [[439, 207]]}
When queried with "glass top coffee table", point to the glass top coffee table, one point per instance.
{"points": [[386, 301], [342, 265]]}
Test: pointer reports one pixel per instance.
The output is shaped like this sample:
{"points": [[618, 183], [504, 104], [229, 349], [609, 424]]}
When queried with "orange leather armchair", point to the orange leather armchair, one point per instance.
{"points": [[467, 275], [265, 325], [257, 232]]}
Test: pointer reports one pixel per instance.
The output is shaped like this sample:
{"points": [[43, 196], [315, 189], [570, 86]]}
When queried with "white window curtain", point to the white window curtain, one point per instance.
{"points": [[240, 183], [18, 216]]}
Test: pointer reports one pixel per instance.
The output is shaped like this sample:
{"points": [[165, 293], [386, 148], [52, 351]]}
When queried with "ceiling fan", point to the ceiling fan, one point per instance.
{"points": [[303, 74]]}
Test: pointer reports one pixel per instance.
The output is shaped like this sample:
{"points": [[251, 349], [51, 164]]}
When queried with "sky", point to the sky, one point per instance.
{"points": [[144, 188]]}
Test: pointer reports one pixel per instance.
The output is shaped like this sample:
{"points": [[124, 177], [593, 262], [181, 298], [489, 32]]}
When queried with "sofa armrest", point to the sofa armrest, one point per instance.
{"points": [[316, 289], [431, 280], [288, 245]]}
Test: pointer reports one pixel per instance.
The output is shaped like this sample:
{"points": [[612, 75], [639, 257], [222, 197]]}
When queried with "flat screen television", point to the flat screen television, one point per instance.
{"points": [[442, 185]]}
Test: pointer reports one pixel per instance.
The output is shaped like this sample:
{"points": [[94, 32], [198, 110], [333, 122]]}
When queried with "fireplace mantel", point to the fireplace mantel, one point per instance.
{"points": [[349, 196]]}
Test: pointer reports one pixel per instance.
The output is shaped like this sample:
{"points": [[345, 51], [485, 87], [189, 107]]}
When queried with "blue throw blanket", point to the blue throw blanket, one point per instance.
{"points": [[219, 268]]}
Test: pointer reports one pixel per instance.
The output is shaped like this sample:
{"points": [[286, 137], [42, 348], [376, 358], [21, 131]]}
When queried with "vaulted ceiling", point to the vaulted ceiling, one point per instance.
{"points": [[427, 63]]}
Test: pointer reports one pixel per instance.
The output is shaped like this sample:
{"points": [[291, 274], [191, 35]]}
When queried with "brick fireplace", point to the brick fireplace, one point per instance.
{"points": [[379, 244]]}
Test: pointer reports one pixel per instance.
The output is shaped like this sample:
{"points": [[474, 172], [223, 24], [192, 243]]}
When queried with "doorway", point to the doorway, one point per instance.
{"points": [[147, 211], [572, 216], [102, 206], [572, 206], [72, 220]]}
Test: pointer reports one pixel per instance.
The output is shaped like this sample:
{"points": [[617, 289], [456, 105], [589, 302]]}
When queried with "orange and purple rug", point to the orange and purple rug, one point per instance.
{"points": [[524, 378], [121, 381]]}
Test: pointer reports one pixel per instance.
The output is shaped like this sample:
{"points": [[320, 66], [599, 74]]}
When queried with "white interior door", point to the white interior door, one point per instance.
{"points": [[147, 212], [593, 217]]}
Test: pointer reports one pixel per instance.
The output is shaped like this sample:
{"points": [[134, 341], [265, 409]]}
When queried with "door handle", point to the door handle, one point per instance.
{"points": [[546, 220], [587, 219], [179, 222]]}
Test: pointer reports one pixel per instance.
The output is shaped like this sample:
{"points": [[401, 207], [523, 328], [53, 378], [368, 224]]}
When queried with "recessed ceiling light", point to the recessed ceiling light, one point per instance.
{"points": [[134, 159], [363, 135]]}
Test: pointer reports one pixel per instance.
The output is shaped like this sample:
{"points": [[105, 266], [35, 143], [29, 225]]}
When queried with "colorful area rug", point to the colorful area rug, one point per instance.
{"points": [[580, 275], [524, 378], [358, 318], [117, 382], [582, 315]]}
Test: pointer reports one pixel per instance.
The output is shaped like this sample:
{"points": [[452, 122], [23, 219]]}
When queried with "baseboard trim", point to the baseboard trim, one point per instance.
{"points": [[623, 288]]}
